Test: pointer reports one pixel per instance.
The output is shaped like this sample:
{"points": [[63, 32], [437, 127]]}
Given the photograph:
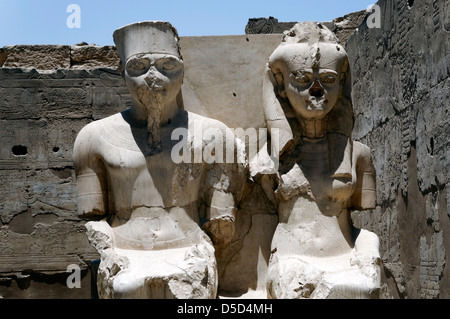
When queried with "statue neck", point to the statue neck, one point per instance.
{"points": [[153, 115], [314, 129]]}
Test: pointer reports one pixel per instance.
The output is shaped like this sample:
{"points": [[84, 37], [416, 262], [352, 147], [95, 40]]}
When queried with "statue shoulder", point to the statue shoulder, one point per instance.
{"points": [[89, 138], [112, 120], [87, 135], [82, 149], [362, 153]]}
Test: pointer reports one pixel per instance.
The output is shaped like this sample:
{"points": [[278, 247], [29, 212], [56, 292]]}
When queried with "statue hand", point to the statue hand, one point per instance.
{"points": [[220, 230]]}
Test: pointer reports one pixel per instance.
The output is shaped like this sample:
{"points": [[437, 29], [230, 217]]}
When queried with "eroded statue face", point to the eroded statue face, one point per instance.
{"points": [[312, 79], [154, 79]]}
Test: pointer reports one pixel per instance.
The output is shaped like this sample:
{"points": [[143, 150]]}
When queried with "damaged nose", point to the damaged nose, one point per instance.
{"points": [[152, 78], [316, 90]]}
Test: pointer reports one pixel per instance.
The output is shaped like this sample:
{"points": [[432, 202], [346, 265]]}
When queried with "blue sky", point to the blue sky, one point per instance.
{"points": [[44, 21]]}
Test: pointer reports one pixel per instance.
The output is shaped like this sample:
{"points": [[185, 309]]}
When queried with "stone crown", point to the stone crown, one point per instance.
{"points": [[146, 37]]}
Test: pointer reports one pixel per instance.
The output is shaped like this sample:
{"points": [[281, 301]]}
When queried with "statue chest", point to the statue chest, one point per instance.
{"points": [[308, 172], [156, 181]]}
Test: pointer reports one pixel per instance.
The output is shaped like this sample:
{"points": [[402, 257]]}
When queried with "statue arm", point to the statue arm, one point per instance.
{"points": [[220, 218], [364, 196], [225, 187], [90, 176]]}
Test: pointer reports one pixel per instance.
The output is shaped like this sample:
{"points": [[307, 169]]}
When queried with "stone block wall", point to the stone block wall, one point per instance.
{"points": [[51, 57], [401, 101], [343, 27], [40, 233]]}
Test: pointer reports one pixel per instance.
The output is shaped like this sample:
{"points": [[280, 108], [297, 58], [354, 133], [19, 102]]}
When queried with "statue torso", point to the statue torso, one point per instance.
{"points": [[152, 201], [138, 179], [312, 204]]}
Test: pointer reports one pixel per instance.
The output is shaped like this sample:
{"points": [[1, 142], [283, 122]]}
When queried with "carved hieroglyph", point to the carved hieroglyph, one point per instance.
{"points": [[321, 174], [155, 211]]}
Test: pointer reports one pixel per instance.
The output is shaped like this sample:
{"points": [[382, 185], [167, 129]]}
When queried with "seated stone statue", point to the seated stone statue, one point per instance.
{"points": [[321, 174], [151, 192]]}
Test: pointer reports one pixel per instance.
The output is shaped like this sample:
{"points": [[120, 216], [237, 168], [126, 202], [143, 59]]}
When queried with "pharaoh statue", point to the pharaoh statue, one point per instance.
{"points": [[159, 199], [319, 174]]}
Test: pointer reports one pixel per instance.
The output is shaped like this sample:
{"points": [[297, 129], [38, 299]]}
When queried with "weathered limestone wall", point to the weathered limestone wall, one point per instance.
{"points": [[40, 234], [401, 99], [50, 57], [343, 27]]}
